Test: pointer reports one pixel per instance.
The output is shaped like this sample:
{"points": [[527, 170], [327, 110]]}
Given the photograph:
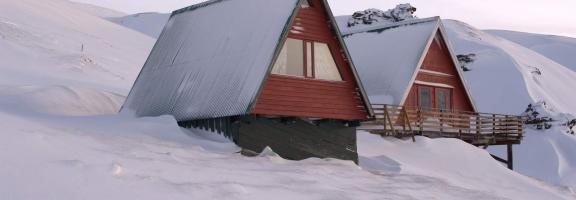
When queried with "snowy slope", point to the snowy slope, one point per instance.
{"points": [[150, 24], [505, 78], [57, 44], [558, 48]]}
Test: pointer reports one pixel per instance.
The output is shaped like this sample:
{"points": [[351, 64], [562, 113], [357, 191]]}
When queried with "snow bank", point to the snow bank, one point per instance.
{"points": [[121, 157], [454, 161], [523, 77], [58, 42], [60, 100]]}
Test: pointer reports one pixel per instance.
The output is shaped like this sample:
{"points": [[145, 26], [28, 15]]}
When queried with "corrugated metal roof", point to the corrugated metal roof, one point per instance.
{"points": [[387, 55], [211, 59]]}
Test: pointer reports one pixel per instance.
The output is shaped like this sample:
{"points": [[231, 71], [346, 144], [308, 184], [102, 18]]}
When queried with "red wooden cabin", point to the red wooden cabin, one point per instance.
{"points": [[274, 73], [409, 64]]}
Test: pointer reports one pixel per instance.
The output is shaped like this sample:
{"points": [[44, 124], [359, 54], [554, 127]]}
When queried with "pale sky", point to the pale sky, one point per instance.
{"points": [[557, 17]]}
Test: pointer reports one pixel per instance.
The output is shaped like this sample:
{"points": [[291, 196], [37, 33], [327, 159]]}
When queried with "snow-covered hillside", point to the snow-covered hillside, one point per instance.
{"points": [[558, 48], [506, 76], [58, 45], [65, 70]]}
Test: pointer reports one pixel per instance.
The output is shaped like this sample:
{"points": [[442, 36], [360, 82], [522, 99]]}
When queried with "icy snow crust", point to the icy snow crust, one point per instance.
{"points": [[206, 64], [387, 55]]}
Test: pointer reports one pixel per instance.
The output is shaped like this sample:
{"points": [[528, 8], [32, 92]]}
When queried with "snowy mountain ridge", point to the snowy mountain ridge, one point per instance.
{"points": [[65, 72]]}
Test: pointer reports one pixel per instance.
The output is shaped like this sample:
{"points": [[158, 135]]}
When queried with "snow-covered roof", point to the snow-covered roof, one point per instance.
{"points": [[211, 59], [387, 55]]}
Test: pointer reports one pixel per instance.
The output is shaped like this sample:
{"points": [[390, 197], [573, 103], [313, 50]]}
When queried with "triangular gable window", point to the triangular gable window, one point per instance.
{"points": [[309, 59]]}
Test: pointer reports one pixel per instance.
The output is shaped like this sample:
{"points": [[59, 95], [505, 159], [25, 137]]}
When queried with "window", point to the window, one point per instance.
{"points": [[324, 66], [307, 59], [425, 97], [291, 59], [443, 99]]}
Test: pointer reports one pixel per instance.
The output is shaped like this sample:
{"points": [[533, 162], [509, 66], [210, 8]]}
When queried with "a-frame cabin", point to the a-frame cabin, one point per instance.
{"points": [[264, 73], [417, 88], [409, 64]]}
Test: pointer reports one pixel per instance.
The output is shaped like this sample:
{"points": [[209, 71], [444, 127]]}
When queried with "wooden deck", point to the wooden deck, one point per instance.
{"points": [[480, 129]]}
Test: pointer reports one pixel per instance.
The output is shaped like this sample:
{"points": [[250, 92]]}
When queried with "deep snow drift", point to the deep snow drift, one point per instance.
{"points": [[120, 157], [57, 42]]}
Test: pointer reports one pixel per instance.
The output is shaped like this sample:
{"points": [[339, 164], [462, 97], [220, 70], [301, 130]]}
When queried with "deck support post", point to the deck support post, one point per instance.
{"points": [[510, 160]]}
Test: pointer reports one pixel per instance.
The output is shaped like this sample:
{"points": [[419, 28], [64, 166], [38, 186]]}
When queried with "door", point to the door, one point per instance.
{"points": [[443, 99], [425, 98]]}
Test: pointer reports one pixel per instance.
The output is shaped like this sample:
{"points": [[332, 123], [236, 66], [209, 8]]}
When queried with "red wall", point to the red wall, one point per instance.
{"points": [[301, 97], [438, 59]]}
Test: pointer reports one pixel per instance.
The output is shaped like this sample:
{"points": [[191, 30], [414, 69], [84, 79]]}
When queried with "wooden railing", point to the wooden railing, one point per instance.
{"points": [[475, 128]]}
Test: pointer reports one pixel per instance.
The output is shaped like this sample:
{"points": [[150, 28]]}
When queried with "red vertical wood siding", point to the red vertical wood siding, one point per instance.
{"points": [[438, 60], [304, 97]]}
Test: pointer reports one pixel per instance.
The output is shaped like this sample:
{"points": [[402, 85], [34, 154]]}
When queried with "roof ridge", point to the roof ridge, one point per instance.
{"points": [[195, 6], [391, 25]]}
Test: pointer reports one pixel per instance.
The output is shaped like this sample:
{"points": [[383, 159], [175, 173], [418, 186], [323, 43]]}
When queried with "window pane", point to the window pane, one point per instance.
{"points": [[325, 67], [291, 59], [443, 99], [309, 68], [425, 98]]}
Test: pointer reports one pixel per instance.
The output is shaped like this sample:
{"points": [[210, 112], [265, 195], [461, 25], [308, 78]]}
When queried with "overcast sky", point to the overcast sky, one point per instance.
{"points": [[556, 17]]}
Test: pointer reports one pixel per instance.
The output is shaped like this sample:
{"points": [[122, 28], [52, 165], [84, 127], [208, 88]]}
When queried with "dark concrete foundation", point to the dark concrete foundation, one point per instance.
{"points": [[291, 138]]}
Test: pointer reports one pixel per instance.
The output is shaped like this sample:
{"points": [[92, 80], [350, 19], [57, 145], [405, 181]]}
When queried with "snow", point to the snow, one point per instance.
{"points": [[43, 42], [121, 157], [500, 63], [150, 24], [386, 57], [183, 75], [433, 84], [60, 138], [557, 48], [513, 83]]}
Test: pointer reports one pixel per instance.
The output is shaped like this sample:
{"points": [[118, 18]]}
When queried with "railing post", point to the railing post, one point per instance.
{"points": [[478, 126], [385, 117], [494, 127], [506, 126], [420, 121], [520, 127]]}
